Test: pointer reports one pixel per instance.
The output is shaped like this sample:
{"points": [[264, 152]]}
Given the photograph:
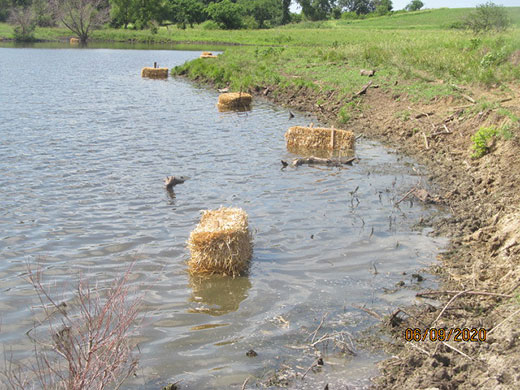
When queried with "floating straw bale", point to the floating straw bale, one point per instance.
{"points": [[207, 54], [221, 243], [317, 138], [234, 100], [74, 41], [155, 73]]}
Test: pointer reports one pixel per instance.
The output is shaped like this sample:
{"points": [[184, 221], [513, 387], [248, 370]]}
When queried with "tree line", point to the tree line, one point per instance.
{"points": [[225, 14]]}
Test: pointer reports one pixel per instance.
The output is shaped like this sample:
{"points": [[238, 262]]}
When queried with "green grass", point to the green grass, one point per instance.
{"points": [[425, 59], [425, 19]]}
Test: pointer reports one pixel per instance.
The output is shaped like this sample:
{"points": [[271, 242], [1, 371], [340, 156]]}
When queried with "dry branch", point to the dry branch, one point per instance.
{"points": [[363, 90], [323, 161], [484, 293]]}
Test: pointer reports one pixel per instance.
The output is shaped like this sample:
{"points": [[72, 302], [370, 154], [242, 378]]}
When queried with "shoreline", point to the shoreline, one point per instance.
{"points": [[483, 228]]}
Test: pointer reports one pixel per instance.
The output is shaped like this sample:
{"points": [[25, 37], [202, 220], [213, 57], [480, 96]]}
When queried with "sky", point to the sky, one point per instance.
{"points": [[400, 4]]}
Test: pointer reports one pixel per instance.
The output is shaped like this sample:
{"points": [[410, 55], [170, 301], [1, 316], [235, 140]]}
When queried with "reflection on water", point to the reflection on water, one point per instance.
{"points": [[241, 108], [217, 295], [83, 155], [321, 153]]}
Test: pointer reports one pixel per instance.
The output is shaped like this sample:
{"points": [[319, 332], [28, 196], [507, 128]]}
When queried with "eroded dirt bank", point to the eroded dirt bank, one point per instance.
{"points": [[480, 270]]}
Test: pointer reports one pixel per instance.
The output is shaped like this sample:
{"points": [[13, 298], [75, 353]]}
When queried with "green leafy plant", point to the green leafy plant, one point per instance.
{"points": [[481, 140]]}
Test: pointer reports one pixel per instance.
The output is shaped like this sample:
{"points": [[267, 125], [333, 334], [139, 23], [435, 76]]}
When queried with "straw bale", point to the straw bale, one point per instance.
{"points": [[74, 41], [234, 100], [155, 73], [317, 138], [221, 243], [207, 54]]}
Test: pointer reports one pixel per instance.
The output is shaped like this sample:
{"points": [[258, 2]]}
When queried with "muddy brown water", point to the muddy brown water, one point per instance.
{"points": [[84, 146]]}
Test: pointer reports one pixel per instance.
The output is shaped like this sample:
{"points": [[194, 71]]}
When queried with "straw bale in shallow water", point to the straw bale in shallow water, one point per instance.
{"points": [[221, 243], [234, 100], [155, 73], [74, 41], [207, 54], [317, 138]]}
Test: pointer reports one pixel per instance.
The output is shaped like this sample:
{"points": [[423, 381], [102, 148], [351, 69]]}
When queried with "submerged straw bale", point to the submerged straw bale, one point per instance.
{"points": [[74, 41], [234, 100], [155, 73], [317, 138], [221, 243]]}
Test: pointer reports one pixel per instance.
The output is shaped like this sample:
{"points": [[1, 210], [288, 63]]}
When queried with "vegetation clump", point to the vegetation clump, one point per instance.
{"points": [[481, 140], [488, 17]]}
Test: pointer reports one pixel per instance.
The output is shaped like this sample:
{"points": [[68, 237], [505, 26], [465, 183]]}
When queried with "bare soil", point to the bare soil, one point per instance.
{"points": [[483, 226]]}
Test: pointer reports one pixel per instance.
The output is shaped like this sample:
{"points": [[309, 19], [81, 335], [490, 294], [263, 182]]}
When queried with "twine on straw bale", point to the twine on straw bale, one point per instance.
{"points": [[317, 138], [234, 101], [155, 73], [220, 243], [74, 41]]}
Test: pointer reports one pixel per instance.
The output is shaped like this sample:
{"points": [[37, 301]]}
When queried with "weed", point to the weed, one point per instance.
{"points": [[481, 139], [344, 114], [403, 115]]}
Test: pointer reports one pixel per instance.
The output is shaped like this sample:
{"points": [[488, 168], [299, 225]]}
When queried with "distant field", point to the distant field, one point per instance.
{"points": [[425, 19], [338, 31]]}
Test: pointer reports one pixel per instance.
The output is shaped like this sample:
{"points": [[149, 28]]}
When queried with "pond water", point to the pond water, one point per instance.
{"points": [[85, 143]]}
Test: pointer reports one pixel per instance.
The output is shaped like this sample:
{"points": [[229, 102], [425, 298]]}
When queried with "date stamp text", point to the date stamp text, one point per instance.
{"points": [[448, 334]]}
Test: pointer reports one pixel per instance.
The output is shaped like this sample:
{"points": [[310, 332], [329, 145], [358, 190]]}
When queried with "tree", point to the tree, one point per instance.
{"points": [[185, 12], [43, 13], [286, 13], [383, 6], [24, 22], [360, 7], [317, 9], [5, 5], [263, 10], [82, 16], [122, 12], [145, 11], [227, 14], [414, 5], [487, 17]]}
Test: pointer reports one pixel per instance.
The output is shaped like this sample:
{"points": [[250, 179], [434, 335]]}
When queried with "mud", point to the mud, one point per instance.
{"points": [[483, 225]]}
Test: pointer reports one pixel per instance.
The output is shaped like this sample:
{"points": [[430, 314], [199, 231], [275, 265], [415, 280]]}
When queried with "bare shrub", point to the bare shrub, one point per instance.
{"points": [[23, 22], [86, 346], [81, 16]]}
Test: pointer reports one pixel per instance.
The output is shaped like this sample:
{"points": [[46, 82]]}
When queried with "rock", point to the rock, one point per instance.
{"points": [[251, 353], [365, 72]]}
